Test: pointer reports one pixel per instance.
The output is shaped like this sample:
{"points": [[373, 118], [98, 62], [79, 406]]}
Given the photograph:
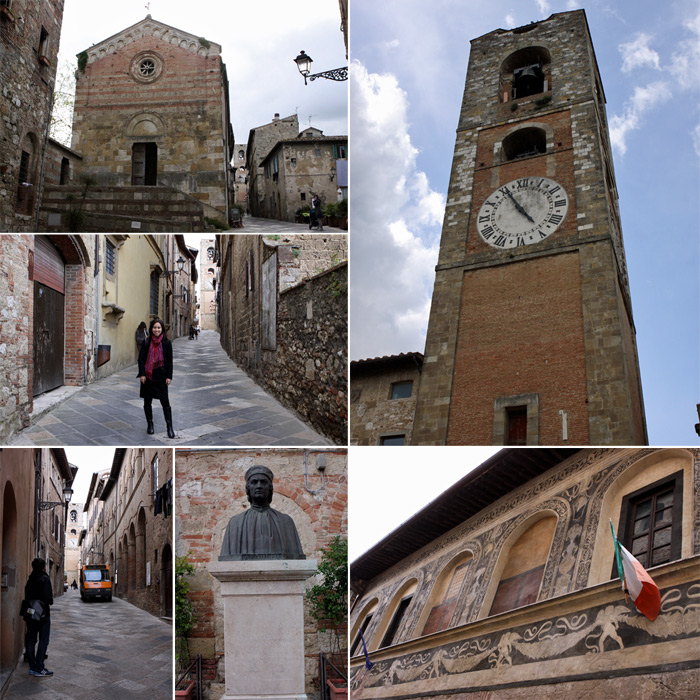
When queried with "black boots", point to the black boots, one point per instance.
{"points": [[148, 410], [168, 413]]}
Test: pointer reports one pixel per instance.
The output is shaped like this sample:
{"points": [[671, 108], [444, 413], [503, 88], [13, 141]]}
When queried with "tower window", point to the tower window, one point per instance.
{"points": [[525, 142], [358, 638], [525, 72], [392, 440], [396, 621], [43, 43]]}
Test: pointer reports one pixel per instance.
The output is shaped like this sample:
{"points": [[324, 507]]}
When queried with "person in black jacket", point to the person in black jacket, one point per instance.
{"points": [[156, 373], [38, 587]]}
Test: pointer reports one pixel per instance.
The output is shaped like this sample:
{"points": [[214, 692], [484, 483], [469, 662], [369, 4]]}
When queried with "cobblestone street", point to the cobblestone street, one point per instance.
{"points": [[254, 224], [111, 651], [213, 401]]}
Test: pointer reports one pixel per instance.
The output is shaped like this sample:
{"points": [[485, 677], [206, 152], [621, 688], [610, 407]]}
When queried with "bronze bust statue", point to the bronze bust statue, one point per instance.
{"points": [[261, 532]]}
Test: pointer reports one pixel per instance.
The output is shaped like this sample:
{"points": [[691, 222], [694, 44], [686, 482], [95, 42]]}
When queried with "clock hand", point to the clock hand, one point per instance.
{"points": [[519, 207]]}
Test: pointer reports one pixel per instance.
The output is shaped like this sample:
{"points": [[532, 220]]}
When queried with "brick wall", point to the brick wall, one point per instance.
{"points": [[179, 108], [211, 489]]}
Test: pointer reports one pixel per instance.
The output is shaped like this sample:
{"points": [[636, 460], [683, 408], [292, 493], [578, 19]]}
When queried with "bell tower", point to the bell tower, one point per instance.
{"points": [[531, 339]]}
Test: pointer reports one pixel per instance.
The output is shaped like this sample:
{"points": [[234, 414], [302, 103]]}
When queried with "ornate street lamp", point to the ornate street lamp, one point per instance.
{"points": [[304, 61], [50, 505]]}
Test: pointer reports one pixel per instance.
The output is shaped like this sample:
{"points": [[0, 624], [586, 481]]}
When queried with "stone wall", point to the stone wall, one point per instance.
{"points": [[292, 342], [374, 414], [210, 490], [27, 81], [260, 142], [305, 168]]}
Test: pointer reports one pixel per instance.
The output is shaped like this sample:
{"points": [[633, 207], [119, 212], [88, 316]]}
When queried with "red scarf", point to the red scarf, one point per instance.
{"points": [[155, 355]]}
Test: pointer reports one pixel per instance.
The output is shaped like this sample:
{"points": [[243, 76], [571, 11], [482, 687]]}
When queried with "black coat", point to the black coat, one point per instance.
{"points": [[38, 587], [156, 388]]}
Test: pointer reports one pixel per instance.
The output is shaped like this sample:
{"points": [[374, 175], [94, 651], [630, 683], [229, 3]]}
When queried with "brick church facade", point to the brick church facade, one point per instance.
{"points": [[152, 125]]}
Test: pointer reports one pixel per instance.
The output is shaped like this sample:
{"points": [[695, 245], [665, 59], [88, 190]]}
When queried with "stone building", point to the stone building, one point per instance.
{"points": [[240, 175], [208, 281], [261, 141], [297, 169], [29, 38], [309, 485], [531, 338], [133, 535], [33, 514], [181, 259], [151, 122], [506, 585], [47, 320], [283, 320], [383, 399], [74, 526]]}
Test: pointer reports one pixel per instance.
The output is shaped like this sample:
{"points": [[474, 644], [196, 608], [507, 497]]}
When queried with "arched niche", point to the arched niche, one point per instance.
{"points": [[389, 629], [362, 624], [444, 595], [145, 124], [517, 578]]}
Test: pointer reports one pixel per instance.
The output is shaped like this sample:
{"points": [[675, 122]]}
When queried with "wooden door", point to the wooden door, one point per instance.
{"points": [[48, 338]]}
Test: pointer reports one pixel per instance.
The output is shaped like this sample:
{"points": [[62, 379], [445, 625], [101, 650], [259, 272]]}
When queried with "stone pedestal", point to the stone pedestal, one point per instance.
{"points": [[264, 627]]}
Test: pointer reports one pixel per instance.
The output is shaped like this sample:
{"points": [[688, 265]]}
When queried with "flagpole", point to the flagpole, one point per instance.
{"points": [[618, 559]]}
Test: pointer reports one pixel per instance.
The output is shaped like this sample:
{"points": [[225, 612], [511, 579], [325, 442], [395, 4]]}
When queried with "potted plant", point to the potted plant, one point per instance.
{"points": [[329, 607], [341, 210], [184, 619]]}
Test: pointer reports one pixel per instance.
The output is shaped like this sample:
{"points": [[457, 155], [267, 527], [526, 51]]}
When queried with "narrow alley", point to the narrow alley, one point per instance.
{"points": [[114, 651], [256, 224], [213, 401]]}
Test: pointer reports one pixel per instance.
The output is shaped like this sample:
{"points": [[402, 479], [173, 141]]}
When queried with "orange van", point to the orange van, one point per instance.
{"points": [[95, 582]]}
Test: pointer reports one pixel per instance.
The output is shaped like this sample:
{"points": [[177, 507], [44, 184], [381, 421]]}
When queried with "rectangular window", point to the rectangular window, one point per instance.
{"points": [[396, 621], [110, 257], [391, 440], [303, 196], [402, 390], [154, 475], [339, 151], [650, 522], [44, 44], [155, 289]]}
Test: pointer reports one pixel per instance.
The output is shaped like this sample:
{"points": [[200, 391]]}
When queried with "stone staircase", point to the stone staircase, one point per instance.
{"points": [[120, 209]]}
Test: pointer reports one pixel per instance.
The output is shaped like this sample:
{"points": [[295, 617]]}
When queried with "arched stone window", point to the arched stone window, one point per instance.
{"points": [[363, 621], [26, 180], [389, 630], [445, 594], [530, 141], [525, 72], [521, 574]]}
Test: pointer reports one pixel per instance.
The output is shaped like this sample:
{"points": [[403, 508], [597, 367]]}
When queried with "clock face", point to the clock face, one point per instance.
{"points": [[522, 212]]}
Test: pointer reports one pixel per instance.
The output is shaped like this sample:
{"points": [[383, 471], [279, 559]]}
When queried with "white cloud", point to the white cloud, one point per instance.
{"points": [[685, 62], [643, 100], [544, 7], [396, 219], [393, 44], [637, 53], [572, 5], [510, 21]]}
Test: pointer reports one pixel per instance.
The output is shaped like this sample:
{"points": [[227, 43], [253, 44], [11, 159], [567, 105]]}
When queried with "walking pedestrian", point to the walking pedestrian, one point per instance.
{"points": [[316, 201], [156, 373], [141, 335], [38, 593]]}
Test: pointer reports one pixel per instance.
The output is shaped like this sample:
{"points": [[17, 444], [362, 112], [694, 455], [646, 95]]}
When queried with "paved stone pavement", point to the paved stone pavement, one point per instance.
{"points": [[214, 404], [110, 651], [253, 224]]}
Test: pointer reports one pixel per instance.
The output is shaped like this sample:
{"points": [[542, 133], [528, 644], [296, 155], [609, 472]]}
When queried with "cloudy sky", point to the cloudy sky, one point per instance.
{"points": [[259, 42], [409, 61]]}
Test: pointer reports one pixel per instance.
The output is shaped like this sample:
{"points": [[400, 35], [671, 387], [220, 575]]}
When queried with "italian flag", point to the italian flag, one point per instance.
{"points": [[637, 582]]}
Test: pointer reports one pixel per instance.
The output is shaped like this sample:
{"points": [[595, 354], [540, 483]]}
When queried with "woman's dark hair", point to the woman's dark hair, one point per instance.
{"points": [[153, 323], [38, 565]]}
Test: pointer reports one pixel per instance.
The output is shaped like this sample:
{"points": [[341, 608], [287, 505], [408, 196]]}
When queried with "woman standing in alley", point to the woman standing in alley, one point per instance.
{"points": [[156, 373]]}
